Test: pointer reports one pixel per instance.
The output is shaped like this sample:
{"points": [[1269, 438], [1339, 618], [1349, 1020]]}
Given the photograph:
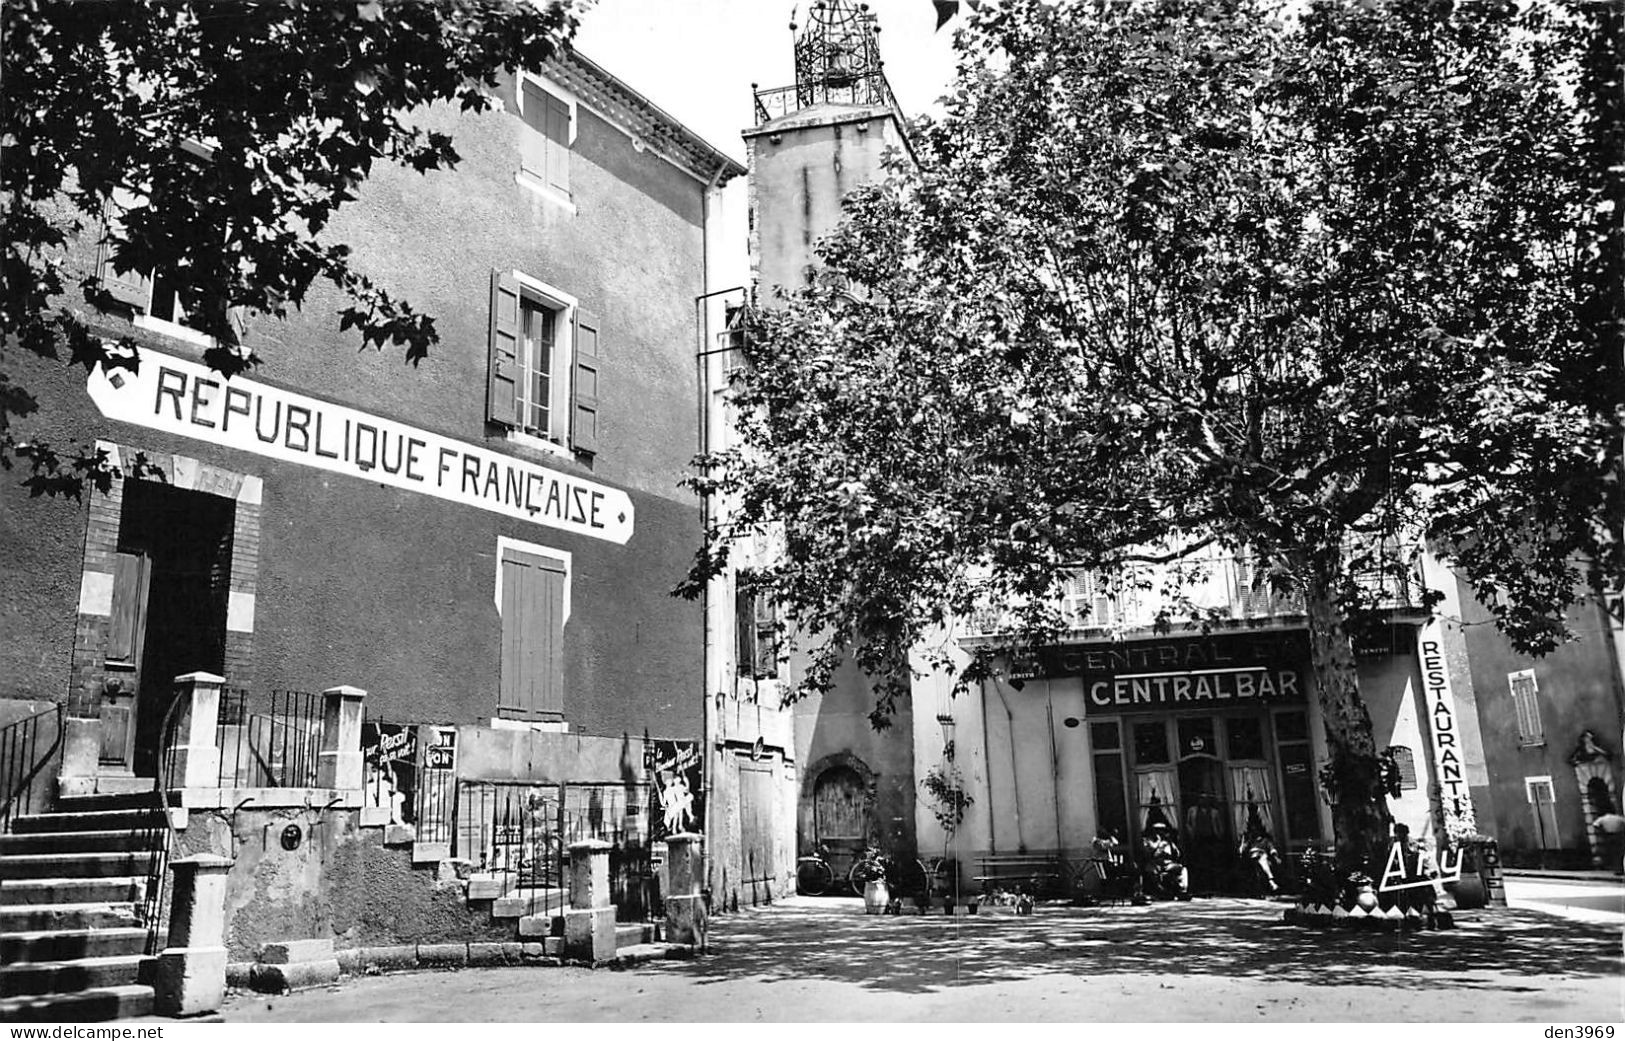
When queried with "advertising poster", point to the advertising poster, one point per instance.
{"points": [[389, 754], [674, 770]]}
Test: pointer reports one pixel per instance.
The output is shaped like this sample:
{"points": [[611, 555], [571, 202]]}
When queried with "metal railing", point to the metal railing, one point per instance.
{"points": [[524, 830], [866, 88], [28, 747], [1232, 587], [274, 748], [158, 835]]}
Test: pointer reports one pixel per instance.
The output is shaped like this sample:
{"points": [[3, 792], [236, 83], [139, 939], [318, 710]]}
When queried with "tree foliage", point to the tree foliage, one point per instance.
{"points": [[228, 134], [1306, 283]]}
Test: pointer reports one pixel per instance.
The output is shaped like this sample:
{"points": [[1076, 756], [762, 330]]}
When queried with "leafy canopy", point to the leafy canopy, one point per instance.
{"points": [[229, 134], [1305, 283]]}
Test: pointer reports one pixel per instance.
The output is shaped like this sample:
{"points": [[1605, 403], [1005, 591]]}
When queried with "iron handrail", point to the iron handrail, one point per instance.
{"points": [[16, 738], [160, 839]]}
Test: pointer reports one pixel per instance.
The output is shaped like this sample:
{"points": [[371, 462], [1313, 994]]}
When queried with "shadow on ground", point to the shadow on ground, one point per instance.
{"points": [[1229, 938]]}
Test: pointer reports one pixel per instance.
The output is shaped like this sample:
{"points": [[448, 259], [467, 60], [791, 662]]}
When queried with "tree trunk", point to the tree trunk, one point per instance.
{"points": [[1360, 815]]}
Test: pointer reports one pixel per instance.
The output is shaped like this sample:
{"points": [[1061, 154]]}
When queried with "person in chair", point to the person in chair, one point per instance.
{"points": [[1162, 865]]}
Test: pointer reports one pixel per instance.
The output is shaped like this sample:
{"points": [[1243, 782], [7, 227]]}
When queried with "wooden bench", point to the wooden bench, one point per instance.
{"points": [[1039, 873]]}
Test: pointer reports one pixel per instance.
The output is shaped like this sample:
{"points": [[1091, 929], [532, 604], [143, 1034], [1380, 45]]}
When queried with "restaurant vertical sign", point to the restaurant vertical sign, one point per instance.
{"points": [[1455, 799]]}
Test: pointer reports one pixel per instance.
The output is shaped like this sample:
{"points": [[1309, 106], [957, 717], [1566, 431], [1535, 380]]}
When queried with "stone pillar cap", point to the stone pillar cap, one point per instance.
{"points": [[591, 845], [346, 691], [200, 677], [203, 860], [685, 836]]}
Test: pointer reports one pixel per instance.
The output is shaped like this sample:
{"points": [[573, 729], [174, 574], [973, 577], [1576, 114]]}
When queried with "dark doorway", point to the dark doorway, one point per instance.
{"points": [[185, 539]]}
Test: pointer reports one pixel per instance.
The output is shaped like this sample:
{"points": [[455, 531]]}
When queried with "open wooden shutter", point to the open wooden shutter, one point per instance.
{"points": [[502, 386], [744, 631], [532, 685], [585, 424], [131, 288], [767, 651]]}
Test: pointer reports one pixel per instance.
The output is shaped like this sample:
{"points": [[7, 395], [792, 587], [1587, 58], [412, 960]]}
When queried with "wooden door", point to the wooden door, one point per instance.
{"points": [[841, 816], [756, 846], [127, 632]]}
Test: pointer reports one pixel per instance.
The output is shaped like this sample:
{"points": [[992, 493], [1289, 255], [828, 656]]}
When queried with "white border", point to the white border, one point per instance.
{"points": [[536, 548]]}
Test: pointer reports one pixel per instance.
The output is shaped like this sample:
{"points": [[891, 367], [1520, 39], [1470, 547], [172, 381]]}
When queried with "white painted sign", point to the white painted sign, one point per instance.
{"points": [[190, 399], [1455, 799]]}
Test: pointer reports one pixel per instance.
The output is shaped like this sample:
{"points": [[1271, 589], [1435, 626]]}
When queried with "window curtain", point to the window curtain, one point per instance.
{"points": [[1156, 789], [1250, 796]]}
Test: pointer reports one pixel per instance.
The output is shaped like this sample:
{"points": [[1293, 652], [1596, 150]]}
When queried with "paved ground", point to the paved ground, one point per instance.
{"points": [[1585, 901], [1211, 960]]}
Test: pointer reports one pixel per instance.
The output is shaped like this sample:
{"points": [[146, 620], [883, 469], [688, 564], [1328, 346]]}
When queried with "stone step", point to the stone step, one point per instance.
{"points": [[629, 933], [140, 797], [525, 902], [21, 918], [68, 944], [95, 1005], [73, 865], [114, 841], [65, 977], [116, 784], [72, 890], [136, 821]]}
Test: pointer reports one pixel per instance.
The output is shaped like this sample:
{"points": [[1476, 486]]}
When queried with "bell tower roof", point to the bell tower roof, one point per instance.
{"points": [[837, 59]]}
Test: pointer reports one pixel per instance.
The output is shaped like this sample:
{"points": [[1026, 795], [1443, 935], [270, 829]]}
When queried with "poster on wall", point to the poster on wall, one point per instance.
{"points": [[674, 770], [389, 752]]}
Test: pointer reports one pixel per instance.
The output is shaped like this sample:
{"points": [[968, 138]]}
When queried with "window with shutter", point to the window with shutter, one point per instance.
{"points": [[532, 683], [540, 383], [1526, 704], [767, 647], [544, 154]]}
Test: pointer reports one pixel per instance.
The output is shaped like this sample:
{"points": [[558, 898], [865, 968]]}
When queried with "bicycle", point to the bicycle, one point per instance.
{"points": [[927, 876], [814, 876]]}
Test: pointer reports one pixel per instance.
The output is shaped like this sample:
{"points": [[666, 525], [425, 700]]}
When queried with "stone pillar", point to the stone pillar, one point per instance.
{"points": [[191, 976], [197, 756], [589, 922], [339, 763], [81, 756], [685, 905]]}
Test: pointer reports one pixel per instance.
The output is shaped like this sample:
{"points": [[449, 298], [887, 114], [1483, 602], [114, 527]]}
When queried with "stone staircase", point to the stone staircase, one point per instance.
{"points": [[538, 914], [72, 881]]}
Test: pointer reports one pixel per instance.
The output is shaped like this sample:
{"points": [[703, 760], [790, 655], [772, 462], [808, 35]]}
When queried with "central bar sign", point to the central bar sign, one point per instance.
{"points": [[189, 399]]}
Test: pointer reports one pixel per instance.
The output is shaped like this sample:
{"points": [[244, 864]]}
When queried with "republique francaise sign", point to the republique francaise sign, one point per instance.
{"points": [[190, 399]]}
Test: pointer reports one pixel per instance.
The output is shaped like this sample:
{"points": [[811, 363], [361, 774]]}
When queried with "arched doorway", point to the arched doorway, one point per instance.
{"points": [[841, 816]]}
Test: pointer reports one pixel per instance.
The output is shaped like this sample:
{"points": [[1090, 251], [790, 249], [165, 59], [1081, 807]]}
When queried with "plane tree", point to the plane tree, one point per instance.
{"points": [[1306, 285]]}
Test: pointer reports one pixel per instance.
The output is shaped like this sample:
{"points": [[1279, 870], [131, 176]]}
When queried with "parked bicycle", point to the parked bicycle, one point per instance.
{"points": [[814, 876]]}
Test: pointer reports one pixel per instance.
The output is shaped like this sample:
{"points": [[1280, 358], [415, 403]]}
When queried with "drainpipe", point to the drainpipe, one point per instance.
{"points": [[1054, 764]]}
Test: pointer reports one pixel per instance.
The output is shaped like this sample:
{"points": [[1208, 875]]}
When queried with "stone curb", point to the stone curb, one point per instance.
{"points": [[372, 961]]}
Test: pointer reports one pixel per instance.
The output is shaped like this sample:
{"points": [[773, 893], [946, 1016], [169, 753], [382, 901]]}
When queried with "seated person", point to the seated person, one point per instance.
{"points": [[1162, 865], [1258, 852]]}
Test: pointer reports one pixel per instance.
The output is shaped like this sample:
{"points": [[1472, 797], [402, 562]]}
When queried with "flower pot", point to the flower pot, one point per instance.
{"points": [[876, 896]]}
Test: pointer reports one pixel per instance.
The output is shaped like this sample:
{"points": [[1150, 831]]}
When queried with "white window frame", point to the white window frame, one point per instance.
{"points": [[504, 543], [563, 305], [521, 177]]}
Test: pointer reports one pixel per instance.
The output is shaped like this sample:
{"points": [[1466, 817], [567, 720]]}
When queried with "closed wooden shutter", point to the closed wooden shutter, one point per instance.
{"points": [[532, 685], [546, 155], [131, 288], [502, 385], [585, 423], [557, 132]]}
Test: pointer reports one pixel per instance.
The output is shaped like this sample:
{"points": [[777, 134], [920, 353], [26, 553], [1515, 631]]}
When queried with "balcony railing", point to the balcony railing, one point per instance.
{"points": [[834, 88], [1213, 589]]}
